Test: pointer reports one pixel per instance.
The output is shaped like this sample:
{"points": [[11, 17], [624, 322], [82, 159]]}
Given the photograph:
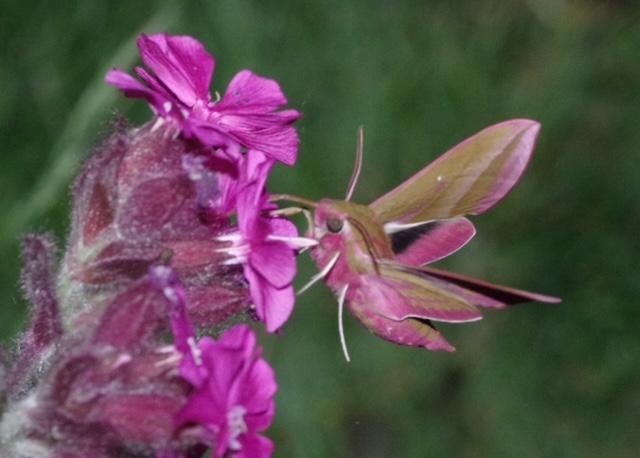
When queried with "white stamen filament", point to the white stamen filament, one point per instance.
{"points": [[234, 261], [294, 242], [174, 356], [166, 349], [237, 426], [157, 124], [122, 359], [195, 351], [320, 275], [233, 237], [172, 360], [238, 253], [343, 341]]}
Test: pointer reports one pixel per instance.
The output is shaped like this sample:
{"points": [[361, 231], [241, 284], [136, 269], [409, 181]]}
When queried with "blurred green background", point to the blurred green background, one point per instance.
{"points": [[537, 380]]}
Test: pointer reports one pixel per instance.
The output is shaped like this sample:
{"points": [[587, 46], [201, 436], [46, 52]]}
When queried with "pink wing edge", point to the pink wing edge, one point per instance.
{"points": [[449, 237]]}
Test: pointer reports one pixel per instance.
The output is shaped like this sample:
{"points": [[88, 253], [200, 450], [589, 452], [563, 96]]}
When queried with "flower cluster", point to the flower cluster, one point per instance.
{"points": [[245, 119], [173, 232], [177, 88]]}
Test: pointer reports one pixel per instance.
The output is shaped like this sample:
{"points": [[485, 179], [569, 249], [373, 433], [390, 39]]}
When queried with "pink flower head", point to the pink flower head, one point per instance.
{"points": [[177, 88], [233, 386], [233, 395], [265, 246]]}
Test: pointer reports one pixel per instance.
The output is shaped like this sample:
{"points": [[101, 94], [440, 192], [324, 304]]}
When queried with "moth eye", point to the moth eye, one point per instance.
{"points": [[334, 225]]}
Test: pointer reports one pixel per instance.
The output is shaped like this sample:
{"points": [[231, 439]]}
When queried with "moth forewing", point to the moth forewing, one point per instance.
{"points": [[468, 179]]}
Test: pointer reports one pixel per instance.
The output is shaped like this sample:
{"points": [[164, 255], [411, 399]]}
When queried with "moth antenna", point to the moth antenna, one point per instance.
{"points": [[358, 165], [320, 275], [297, 199], [343, 341]]}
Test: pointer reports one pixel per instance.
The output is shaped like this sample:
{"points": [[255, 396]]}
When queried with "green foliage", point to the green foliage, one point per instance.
{"points": [[537, 380]]}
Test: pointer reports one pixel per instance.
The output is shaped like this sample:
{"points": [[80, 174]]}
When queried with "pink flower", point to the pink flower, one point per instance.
{"points": [[265, 246], [233, 394], [177, 88], [233, 386]]}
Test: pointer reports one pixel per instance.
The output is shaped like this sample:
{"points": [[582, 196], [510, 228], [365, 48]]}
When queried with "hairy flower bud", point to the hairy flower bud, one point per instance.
{"points": [[45, 328], [136, 205]]}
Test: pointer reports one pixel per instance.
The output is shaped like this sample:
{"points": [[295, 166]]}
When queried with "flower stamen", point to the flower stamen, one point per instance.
{"points": [[237, 426]]}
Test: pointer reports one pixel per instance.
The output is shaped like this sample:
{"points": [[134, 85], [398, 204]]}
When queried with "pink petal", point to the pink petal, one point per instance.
{"points": [[191, 55], [239, 337], [275, 261], [278, 141], [249, 93], [273, 306], [282, 227], [247, 113], [207, 133], [251, 199], [278, 307], [202, 410], [255, 169], [135, 89], [258, 391], [261, 420], [255, 446], [221, 369], [227, 371], [181, 63]]}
